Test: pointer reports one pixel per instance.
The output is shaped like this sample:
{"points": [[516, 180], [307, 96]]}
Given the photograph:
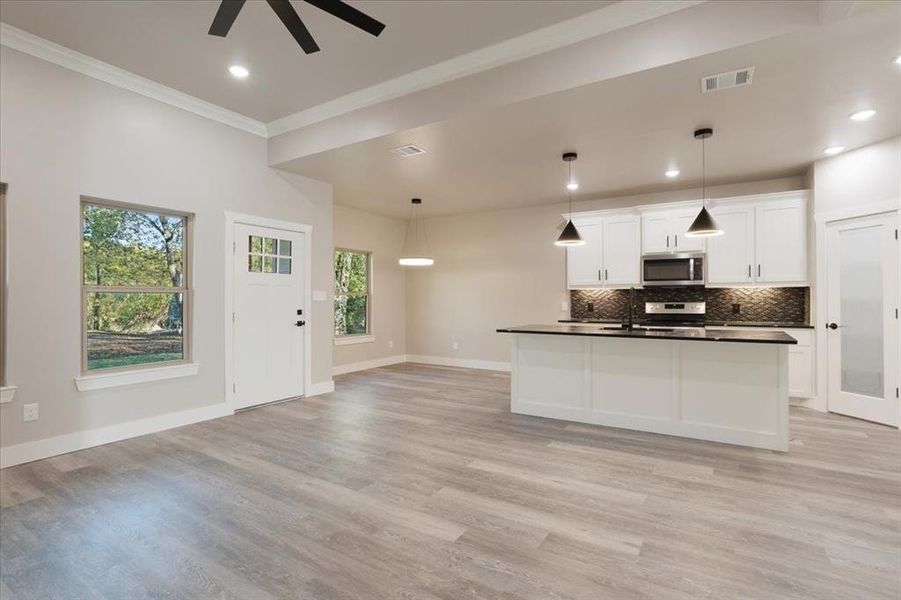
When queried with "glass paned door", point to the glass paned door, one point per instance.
{"points": [[862, 328]]}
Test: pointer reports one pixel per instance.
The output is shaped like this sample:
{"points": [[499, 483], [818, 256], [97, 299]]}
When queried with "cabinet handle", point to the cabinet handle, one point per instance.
{"points": [[758, 270], [677, 240], [749, 271], [599, 274], [667, 240], [605, 274]]}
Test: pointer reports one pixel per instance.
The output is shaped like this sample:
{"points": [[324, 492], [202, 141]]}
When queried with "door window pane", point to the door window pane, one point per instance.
{"points": [[860, 290], [284, 247], [284, 266], [133, 328]]}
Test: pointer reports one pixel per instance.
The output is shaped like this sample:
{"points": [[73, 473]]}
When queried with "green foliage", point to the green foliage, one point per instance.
{"points": [[351, 292], [131, 248]]}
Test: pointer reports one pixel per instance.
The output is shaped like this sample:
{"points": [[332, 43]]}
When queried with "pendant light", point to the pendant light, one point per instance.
{"points": [[570, 235], [703, 225], [416, 246]]}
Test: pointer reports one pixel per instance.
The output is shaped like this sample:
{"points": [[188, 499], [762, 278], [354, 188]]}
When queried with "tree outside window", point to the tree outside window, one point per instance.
{"points": [[352, 288], [134, 286]]}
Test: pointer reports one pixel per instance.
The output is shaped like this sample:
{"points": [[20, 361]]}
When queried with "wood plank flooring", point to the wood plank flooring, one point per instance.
{"points": [[415, 482]]}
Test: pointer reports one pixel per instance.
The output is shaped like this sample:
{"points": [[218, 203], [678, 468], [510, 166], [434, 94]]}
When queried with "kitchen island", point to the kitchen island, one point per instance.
{"points": [[718, 385]]}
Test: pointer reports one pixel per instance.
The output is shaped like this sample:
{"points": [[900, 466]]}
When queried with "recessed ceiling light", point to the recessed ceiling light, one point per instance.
{"points": [[862, 115], [672, 173], [572, 185], [238, 72], [833, 150], [898, 60]]}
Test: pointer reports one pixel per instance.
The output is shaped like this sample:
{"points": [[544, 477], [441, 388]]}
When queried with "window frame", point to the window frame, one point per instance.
{"points": [[186, 289], [367, 335], [3, 287]]}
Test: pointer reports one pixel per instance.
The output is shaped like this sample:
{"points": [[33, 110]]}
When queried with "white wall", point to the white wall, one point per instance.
{"points": [[384, 237], [498, 269], [62, 135], [867, 176]]}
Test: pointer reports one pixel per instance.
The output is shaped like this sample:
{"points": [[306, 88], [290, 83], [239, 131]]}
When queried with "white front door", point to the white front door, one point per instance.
{"points": [[862, 322], [269, 315]]}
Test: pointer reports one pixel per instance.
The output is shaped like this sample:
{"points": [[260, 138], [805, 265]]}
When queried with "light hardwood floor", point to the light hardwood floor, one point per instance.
{"points": [[415, 482]]}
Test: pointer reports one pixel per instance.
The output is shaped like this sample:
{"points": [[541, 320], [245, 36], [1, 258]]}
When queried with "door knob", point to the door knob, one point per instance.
{"points": [[301, 323], [832, 325]]}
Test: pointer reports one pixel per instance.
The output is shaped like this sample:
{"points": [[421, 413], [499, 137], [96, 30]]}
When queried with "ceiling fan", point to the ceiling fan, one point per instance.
{"points": [[229, 9]]}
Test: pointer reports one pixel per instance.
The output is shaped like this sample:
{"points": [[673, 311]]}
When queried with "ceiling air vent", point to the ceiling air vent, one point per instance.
{"points": [[722, 81], [408, 150]]}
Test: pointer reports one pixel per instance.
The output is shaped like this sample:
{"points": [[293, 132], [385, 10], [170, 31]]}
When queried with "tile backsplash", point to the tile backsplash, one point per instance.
{"points": [[785, 305]]}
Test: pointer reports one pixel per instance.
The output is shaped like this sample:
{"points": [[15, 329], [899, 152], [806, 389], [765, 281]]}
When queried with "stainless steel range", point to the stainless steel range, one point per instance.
{"points": [[675, 314]]}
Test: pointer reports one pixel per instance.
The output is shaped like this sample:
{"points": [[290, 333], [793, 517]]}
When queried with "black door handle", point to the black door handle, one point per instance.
{"points": [[832, 325], [301, 323]]}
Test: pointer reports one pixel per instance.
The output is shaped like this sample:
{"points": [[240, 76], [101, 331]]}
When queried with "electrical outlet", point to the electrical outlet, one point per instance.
{"points": [[456, 345], [591, 307], [30, 412], [390, 343], [736, 309], [564, 307]]}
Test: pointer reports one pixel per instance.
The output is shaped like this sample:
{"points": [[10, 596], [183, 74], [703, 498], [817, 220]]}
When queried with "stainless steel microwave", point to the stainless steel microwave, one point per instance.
{"points": [[666, 269]]}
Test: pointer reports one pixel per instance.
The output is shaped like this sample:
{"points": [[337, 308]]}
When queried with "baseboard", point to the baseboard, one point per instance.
{"points": [[71, 442], [368, 364], [467, 363], [321, 387]]}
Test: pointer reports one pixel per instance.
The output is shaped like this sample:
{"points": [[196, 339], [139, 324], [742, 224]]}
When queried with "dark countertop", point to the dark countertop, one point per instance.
{"points": [[770, 324], [697, 334]]}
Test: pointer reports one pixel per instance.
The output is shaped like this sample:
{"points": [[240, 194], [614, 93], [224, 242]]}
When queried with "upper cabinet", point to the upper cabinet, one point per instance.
{"points": [[584, 262], [730, 257], [622, 250], [781, 241], [611, 255], [664, 230], [764, 242]]}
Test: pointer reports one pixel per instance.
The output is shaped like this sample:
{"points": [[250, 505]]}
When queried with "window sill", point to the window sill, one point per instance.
{"points": [[7, 393], [354, 339], [86, 383]]}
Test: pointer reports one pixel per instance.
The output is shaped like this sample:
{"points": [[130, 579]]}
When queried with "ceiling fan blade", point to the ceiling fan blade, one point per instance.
{"points": [[225, 17], [292, 21], [349, 14]]}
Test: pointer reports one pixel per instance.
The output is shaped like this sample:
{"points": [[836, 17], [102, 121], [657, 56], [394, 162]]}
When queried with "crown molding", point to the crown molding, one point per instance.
{"points": [[598, 22], [17, 39]]}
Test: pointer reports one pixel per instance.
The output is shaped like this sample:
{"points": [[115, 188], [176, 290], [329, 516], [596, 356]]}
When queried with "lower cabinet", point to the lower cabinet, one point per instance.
{"points": [[800, 360]]}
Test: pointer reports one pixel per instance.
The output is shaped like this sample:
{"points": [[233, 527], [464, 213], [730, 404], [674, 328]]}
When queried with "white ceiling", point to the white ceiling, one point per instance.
{"points": [[629, 130], [167, 42]]}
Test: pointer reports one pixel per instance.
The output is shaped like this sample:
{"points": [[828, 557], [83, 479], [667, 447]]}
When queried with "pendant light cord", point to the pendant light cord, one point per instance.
{"points": [[704, 172], [569, 191]]}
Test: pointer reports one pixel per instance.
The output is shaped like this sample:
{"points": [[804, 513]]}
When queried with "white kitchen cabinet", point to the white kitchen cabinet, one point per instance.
{"points": [[664, 231], [611, 255], [781, 241], [800, 360], [682, 220], [655, 232], [584, 262], [621, 250], [764, 242], [730, 257]]}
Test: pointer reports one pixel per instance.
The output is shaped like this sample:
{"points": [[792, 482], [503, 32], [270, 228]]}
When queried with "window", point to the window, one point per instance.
{"points": [[268, 255], [352, 289], [135, 294]]}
